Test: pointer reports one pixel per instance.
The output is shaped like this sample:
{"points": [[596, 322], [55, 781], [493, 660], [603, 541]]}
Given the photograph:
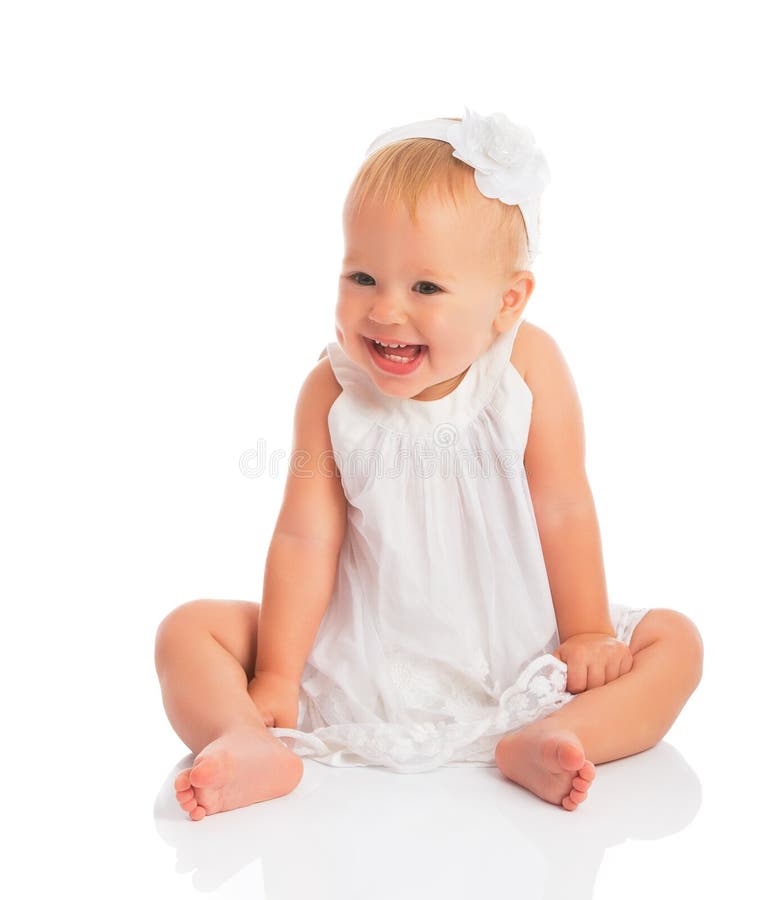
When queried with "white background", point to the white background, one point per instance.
{"points": [[170, 198]]}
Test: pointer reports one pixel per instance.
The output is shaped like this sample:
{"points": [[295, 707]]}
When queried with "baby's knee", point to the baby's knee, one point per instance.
{"points": [[680, 629], [695, 643], [177, 621]]}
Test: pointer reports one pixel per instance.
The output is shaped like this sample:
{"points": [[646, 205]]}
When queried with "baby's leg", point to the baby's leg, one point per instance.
{"points": [[554, 757], [205, 653]]}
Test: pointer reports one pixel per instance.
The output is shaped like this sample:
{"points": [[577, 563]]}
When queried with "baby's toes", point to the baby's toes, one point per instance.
{"points": [[189, 803], [582, 784], [184, 797], [197, 814], [182, 780], [577, 796]]}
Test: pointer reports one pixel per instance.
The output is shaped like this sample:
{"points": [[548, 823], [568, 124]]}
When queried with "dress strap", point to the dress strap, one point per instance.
{"points": [[348, 374], [499, 354]]}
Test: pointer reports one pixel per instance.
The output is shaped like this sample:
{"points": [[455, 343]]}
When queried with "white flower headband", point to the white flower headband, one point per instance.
{"points": [[507, 164]]}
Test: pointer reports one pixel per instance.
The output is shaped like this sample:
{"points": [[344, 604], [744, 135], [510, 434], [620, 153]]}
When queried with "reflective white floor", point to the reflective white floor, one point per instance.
{"points": [[685, 816], [370, 833], [649, 827], [90, 805]]}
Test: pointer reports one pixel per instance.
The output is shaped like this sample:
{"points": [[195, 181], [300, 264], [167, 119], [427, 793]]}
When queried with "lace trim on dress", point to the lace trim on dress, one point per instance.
{"points": [[465, 733]]}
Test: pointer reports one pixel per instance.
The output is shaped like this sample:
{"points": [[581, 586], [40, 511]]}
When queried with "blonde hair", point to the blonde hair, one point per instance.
{"points": [[403, 172]]}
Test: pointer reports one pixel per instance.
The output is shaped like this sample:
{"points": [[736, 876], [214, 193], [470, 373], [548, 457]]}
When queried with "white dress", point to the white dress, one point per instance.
{"points": [[438, 634]]}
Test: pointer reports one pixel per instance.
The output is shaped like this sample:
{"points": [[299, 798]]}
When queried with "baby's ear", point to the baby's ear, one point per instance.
{"points": [[323, 353]]}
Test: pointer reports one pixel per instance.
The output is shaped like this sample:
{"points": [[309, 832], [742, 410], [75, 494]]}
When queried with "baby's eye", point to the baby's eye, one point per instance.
{"points": [[356, 275]]}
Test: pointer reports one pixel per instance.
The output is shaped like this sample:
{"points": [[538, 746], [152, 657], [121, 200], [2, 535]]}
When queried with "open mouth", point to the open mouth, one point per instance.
{"points": [[402, 359], [404, 354]]}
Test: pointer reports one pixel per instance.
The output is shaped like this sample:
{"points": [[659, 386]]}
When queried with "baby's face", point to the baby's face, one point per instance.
{"points": [[431, 283]]}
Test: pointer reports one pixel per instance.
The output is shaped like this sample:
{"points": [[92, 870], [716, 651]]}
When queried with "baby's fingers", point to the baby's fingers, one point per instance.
{"points": [[627, 663], [598, 675], [619, 666], [577, 677]]}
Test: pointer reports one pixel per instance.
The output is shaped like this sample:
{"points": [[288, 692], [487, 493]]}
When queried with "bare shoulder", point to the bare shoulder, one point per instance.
{"points": [[318, 392], [555, 452], [537, 357]]}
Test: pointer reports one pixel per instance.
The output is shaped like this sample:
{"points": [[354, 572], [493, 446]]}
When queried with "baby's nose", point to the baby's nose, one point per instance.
{"points": [[387, 309]]}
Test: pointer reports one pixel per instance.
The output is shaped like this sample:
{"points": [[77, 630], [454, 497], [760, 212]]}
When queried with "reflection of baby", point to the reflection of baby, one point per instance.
{"points": [[416, 621], [443, 822]]}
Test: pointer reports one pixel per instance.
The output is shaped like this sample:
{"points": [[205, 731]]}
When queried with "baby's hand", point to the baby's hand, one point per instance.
{"points": [[593, 660], [277, 698]]}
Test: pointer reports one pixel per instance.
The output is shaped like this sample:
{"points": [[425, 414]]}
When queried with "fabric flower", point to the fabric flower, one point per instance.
{"points": [[508, 165]]}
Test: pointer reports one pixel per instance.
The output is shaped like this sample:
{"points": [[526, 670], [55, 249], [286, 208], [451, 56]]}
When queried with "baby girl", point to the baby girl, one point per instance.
{"points": [[434, 590]]}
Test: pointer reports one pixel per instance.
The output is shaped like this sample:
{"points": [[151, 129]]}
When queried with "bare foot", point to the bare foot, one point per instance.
{"points": [[548, 761], [241, 767]]}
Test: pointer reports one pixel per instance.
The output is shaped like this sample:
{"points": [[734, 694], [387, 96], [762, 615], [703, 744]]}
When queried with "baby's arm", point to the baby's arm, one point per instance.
{"points": [[301, 563], [554, 461]]}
